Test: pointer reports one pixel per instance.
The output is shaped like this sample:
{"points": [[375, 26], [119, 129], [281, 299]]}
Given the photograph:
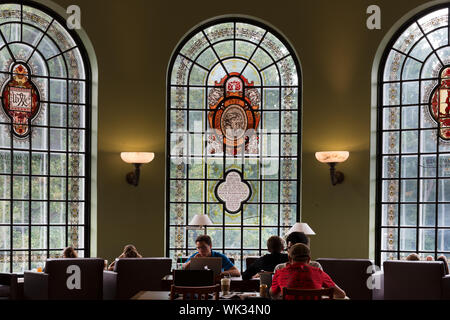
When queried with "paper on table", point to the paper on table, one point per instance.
{"points": [[240, 295]]}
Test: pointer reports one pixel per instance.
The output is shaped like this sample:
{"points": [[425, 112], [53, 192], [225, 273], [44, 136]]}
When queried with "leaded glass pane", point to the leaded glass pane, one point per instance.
{"points": [[180, 71], [438, 38], [444, 54], [75, 64], [249, 32], [434, 20], [421, 50], [392, 71], [47, 48], [408, 38], [38, 212], [427, 215], [60, 34], [431, 67], [36, 17], [411, 69], [11, 32], [194, 46], [261, 58]]}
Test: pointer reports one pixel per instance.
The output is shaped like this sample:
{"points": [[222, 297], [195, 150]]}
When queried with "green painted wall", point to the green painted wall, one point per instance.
{"points": [[134, 40]]}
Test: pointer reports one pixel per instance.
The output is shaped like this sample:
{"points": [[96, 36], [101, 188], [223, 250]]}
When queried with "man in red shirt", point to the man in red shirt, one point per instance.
{"points": [[298, 274]]}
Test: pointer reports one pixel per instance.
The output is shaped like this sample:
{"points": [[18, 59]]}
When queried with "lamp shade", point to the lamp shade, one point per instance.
{"points": [[302, 227], [332, 156], [200, 220], [137, 157]]}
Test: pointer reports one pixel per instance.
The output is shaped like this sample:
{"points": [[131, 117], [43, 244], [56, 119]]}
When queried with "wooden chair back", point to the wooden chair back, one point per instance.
{"points": [[195, 293], [309, 294]]}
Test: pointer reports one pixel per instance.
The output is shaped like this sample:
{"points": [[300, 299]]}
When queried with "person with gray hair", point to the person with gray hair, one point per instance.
{"points": [[299, 274]]}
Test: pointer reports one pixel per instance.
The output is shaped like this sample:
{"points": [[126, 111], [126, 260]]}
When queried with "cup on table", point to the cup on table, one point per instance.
{"points": [[106, 264], [39, 269], [265, 278], [225, 285]]}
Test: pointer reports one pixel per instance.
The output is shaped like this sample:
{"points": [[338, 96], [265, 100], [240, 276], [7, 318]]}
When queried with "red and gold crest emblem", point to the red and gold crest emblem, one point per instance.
{"points": [[233, 115], [440, 104], [20, 100]]}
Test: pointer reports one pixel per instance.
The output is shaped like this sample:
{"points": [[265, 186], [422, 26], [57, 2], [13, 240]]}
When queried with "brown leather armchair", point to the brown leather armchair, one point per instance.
{"points": [[66, 279], [132, 275], [8, 286], [350, 275], [415, 280]]}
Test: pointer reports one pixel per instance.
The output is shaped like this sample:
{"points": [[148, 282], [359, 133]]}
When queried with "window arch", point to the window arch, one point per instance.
{"points": [[233, 137], [44, 137], [413, 162]]}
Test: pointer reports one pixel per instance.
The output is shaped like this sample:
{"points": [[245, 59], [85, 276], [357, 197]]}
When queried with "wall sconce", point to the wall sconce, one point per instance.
{"points": [[302, 227], [332, 158], [200, 220], [136, 158]]}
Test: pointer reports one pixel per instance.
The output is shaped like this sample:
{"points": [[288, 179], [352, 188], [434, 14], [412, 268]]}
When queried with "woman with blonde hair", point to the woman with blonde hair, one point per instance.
{"points": [[129, 251]]}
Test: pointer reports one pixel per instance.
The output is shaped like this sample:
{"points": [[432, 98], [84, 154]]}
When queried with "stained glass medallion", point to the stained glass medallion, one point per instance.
{"points": [[233, 114], [233, 192], [20, 100], [440, 105]]}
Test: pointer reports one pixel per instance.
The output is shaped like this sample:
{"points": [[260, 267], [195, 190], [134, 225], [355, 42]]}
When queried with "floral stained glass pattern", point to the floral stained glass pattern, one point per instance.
{"points": [[44, 131], [233, 108], [414, 134]]}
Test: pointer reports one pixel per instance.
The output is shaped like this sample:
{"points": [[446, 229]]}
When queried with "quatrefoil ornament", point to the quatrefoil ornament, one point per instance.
{"points": [[233, 192]]}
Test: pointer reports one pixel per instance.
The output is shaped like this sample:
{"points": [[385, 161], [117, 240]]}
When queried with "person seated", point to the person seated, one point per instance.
{"points": [[294, 238], [429, 258], [129, 251], [300, 274], [413, 257], [268, 262], [444, 260], [204, 249], [69, 252]]}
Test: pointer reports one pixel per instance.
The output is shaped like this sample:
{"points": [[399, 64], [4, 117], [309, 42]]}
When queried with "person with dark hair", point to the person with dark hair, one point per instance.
{"points": [[294, 238], [69, 252], [275, 246], [444, 260], [204, 249], [299, 274], [129, 251]]}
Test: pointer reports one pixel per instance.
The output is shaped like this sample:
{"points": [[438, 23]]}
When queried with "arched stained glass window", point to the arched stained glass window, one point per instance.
{"points": [[414, 139], [233, 138], [44, 138]]}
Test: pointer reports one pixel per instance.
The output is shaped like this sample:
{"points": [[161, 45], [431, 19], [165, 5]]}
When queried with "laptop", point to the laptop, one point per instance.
{"points": [[193, 278], [207, 263]]}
